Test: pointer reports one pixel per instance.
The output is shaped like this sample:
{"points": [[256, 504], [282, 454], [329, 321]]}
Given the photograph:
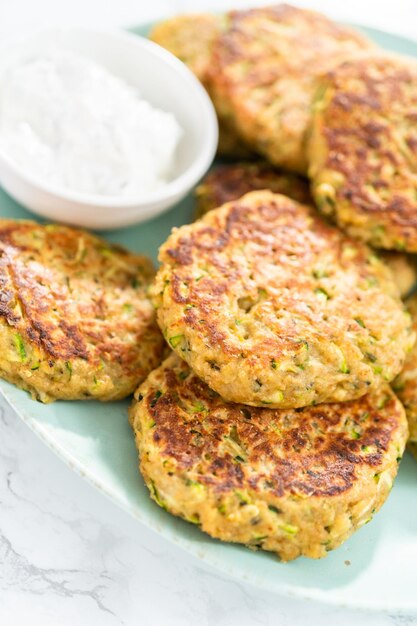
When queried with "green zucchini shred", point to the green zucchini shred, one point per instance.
{"points": [[155, 495], [193, 483], [175, 340], [156, 397], [344, 367], [289, 528], [106, 252], [243, 499], [274, 509], [199, 407], [68, 365], [319, 291], [20, 347]]}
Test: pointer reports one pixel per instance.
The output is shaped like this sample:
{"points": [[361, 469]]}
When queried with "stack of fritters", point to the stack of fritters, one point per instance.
{"points": [[316, 98], [259, 66], [273, 424], [263, 70]]}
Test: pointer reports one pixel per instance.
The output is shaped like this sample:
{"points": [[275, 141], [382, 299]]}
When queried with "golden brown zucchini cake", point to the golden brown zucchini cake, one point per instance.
{"points": [[75, 319], [295, 482], [270, 305], [263, 70], [363, 150]]}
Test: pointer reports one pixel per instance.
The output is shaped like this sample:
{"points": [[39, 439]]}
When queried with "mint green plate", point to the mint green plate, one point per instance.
{"points": [[375, 569]]}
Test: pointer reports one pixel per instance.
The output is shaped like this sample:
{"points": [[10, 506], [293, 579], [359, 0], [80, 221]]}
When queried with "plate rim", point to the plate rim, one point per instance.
{"points": [[326, 597]]}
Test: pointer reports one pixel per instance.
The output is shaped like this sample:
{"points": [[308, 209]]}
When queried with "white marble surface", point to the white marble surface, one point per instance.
{"points": [[67, 555]]}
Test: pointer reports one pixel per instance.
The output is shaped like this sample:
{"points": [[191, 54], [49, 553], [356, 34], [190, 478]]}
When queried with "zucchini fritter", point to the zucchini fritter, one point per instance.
{"points": [[75, 319], [295, 482], [263, 70], [270, 305], [363, 150]]}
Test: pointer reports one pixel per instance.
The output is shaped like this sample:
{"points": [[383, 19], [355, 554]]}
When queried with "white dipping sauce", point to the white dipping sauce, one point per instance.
{"points": [[68, 121]]}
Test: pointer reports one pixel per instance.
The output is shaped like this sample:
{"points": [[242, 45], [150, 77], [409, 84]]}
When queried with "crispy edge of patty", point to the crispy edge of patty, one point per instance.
{"points": [[291, 482], [230, 181]]}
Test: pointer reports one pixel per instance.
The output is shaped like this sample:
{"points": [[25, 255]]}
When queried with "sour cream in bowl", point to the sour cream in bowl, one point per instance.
{"points": [[100, 129]]}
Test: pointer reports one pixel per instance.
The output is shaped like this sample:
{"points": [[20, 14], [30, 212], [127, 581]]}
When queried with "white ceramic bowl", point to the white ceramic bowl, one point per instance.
{"points": [[162, 80]]}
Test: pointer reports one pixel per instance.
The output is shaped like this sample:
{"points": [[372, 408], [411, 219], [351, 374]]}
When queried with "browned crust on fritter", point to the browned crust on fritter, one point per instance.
{"points": [[363, 149], [231, 181], [290, 481], [262, 75], [262, 298], [315, 451], [70, 299]]}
